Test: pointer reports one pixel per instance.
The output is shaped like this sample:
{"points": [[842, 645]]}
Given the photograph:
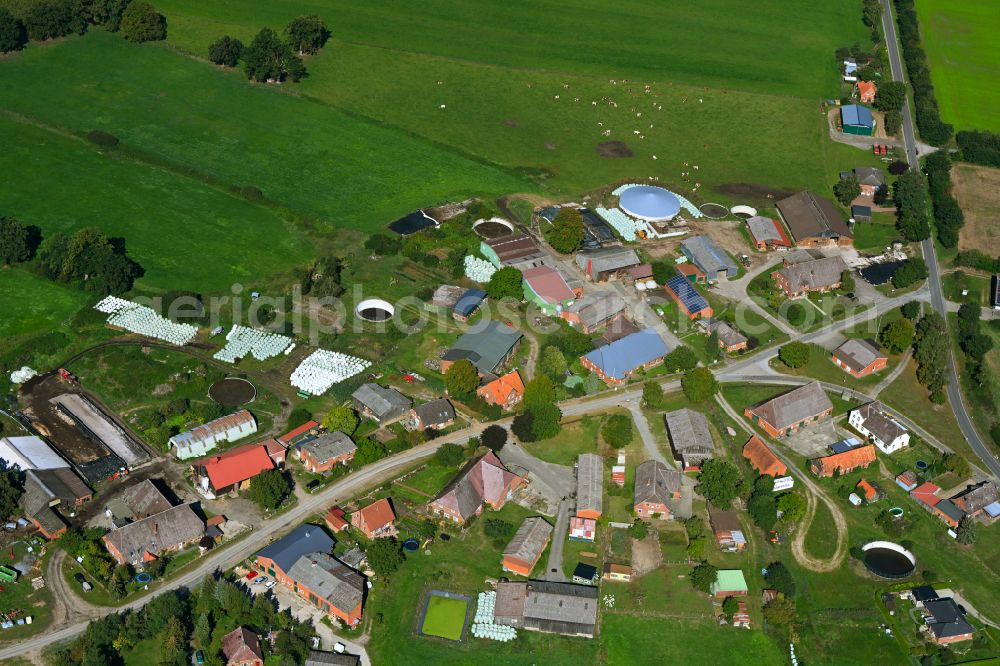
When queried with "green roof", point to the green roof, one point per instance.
{"points": [[729, 580]]}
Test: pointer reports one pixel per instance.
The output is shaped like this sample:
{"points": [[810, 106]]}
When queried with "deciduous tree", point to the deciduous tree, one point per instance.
{"points": [[13, 34], [307, 34], [699, 384], [341, 418], [652, 394], [494, 437], [794, 354], [269, 58], [269, 489], [225, 51], [780, 578], [617, 430], [506, 283], [703, 577], [142, 23], [719, 482], [847, 190], [891, 96], [897, 335], [385, 556], [461, 379], [566, 231]]}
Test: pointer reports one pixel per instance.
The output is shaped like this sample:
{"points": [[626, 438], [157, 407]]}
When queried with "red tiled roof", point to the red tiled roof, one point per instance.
{"points": [[273, 447], [304, 428], [549, 284], [851, 459], [866, 88], [335, 519], [867, 489], [762, 458], [926, 493], [237, 465], [496, 392], [377, 515], [687, 268], [215, 520]]}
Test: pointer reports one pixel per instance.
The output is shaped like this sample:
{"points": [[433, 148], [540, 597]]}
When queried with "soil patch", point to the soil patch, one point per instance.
{"points": [[752, 193], [492, 230], [646, 554], [613, 149], [714, 210], [977, 189], [232, 392]]}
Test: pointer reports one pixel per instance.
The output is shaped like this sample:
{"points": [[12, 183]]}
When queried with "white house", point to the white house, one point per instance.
{"points": [[881, 429], [199, 441]]}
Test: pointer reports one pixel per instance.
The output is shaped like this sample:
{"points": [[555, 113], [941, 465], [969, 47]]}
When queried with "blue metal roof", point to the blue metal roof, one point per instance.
{"points": [[469, 301], [625, 355], [649, 202], [855, 114], [692, 300], [303, 539]]}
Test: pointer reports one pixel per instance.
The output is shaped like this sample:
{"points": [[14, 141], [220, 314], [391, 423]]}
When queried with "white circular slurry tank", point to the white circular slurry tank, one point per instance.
{"points": [[375, 309]]}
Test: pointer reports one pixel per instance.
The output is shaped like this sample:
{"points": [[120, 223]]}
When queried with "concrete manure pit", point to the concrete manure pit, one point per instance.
{"points": [[232, 392], [886, 559], [494, 227], [375, 310]]}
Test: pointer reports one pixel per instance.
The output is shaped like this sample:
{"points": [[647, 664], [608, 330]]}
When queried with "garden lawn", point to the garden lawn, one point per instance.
{"points": [[445, 617], [636, 641], [874, 236], [303, 155], [574, 438], [820, 366], [31, 304], [960, 40], [978, 287]]}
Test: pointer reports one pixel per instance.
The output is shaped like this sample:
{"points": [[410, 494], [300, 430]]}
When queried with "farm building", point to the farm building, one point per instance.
{"points": [[730, 340], [640, 273], [974, 500], [866, 490], [468, 304], [30, 452], [878, 427], [655, 486], [866, 91], [859, 358], [483, 480], [589, 485], [705, 253], [606, 263], [96, 424], [585, 574], [814, 220], [767, 233], [907, 480], [690, 437], [233, 470], [861, 213], [515, 250], [335, 520], [488, 345], [204, 438], [729, 583], [308, 430], [949, 512], [727, 529], [594, 311], [444, 298], [945, 622], [786, 413], [857, 119], [690, 302], [317, 658], [870, 179], [620, 573], [241, 647], [762, 458], [320, 455], [137, 502], [376, 520], [691, 273], [526, 547], [616, 362], [547, 289], [843, 463], [820, 275], [382, 405], [555, 608], [621, 327], [46, 489], [582, 529], [504, 392], [926, 494], [437, 414], [147, 538], [329, 585]]}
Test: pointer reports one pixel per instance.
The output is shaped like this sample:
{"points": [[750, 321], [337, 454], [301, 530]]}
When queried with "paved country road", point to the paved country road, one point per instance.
{"points": [[955, 396]]}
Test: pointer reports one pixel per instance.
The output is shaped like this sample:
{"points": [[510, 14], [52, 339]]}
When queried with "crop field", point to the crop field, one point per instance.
{"points": [[960, 40], [977, 189]]}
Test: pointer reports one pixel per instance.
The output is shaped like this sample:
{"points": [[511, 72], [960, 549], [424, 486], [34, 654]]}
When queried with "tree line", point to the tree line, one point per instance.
{"points": [[979, 147], [50, 19], [270, 57], [948, 215], [88, 258], [933, 130]]}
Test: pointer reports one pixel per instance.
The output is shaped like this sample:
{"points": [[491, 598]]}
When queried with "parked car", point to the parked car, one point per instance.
{"points": [[251, 575], [270, 584], [339, 648], [260, 580], [199, 657]]}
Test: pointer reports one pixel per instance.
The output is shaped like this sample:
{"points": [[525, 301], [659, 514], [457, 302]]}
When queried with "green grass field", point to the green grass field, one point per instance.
{"points": [[30, 305], [445, 617], [960, 39], [876, 235]]}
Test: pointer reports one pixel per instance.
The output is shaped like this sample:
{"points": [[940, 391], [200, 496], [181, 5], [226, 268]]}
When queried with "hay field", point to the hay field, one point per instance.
{"points": [[977, 189]]}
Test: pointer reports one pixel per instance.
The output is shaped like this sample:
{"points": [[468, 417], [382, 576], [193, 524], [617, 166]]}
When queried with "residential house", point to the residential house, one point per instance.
{"points": [[582, 529], [335, 519], [436, 414], [145, 540], [483, 480], [728, 530], [594, 311], [655, 486], [814, 220], [616, 362], [866, 91], [585, 574], [690, 437], [204, 438], [688, 299], [907, 480], [550, 607], [375, 520], [468, 304], [975, 499], [329, 585], [30, 452], [730, 339], [487, 345], [320, 455], [308, 430], [762, 458], [517, 250], [786, 413], [713, 261], [137, 502], [526, 547], [606, 263], [589, 485], [232, 471], [547, 289], [870, 179], [767, 233], [618, 573], [881, 429], [819, 275], [843, 463], [859, 358], [856, 119], [241, 647], [504, 392], [278, 557], [729, 583], [382, 405], [47, 489], [920, 595], [946, 622]]}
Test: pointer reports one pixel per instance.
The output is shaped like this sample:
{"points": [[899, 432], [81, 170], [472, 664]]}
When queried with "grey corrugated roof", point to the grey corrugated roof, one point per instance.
{"points": [[329, 445], [530, 540], [816, 274], [594, 310], [607, 259], [330, 579], [688, 431], [858, 354], [435, 412], [809, 216], [317, 658], [169, 529], [303, 539], [485, 345], [383, 402], [708, 256], [655, 482], [797, 405], [561, 602], [589, 482]]}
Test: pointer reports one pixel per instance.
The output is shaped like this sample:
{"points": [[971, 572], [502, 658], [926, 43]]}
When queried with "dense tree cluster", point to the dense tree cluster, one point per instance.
{"points": [[142, 23], [979, 147], [932, 129], [897, 335], [18, 242], [13, 34], [910, 271], [794, 354], [930, 351], [948, 216], [307, 34], [762, 505], [51, 19], [269, 58], [566, 231], [910, 196], [90, 259], [977, 259], [891, 96], [719, 482], [506, 283], [975, 344], [540, 418]]}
